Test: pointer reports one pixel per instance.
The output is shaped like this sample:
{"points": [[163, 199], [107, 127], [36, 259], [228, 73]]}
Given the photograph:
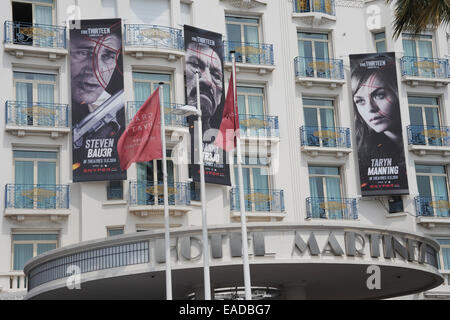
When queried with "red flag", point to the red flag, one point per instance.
{"points": [[229, 128], [141, 140]]}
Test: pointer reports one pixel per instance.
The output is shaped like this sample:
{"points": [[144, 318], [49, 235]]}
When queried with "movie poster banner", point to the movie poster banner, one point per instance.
{"points": [[378, 126], [204, 53], [98, 101]]}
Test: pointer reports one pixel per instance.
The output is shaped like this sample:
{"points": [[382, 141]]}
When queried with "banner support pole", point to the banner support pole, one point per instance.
{"points": [[166, 199], [206, 273], [247, 280]]}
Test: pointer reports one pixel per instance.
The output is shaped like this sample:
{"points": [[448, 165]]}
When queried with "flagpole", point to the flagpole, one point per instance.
{"points": [[206, 275], [166, 198], [247, 281]]}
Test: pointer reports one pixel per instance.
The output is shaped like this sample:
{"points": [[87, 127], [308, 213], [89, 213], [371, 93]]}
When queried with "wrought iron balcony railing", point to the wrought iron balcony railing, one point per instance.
{"points": [[36, 35], [148, 193], [326, 137], [425, 67], [170, 118], [331, 208], [38, 196], [321, 6], [247, 52], [145, 35], [258, 200], [435, 136], [306, 67], [433, 206], [258, 126], [37, 114]]}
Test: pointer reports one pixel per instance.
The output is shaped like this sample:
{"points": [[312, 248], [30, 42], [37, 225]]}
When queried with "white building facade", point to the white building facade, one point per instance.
{"points": [[299, 191]]}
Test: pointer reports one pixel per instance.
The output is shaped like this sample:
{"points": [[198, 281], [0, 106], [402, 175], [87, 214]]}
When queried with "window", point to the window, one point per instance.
{"points": [[27, 12], [444, 255], [145, 84], [380, 41], [324, 6], [319, 119], [425, 120], [28, 246], [243, 35], [114, 190], [314, 51], [433, 190], [325, 187], [155, 12], [251, 110], [116, 231], [418, 51], [257, 183], [35, 95], [35, 177], [150, 181]]}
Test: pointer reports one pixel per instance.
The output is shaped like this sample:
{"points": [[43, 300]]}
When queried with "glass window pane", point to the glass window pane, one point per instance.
{"points": [[24, 172], [242, 20], [35, 237], [380, 36], [415, 114], [317, 102], [234, 33], [321, 50], [319, 36], [444, 241], [381, 46], [327, 118], [35, 154], [255, 105], [115, 232], [316, 187], [311, 117], [22, 253], [423, 100], [429, 169], [324, 170], [251, 90], [423, 184], [305, 49], [432, 117], [46, 173], [156, 77], [44, 247]]}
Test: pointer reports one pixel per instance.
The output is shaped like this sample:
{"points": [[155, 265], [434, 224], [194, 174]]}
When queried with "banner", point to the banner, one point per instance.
{"points": [[204, 53], [378, 126], [98, 100]]}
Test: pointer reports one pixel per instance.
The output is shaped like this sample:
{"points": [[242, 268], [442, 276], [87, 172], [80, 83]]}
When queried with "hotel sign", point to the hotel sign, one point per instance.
{"points": [[299, 244]]}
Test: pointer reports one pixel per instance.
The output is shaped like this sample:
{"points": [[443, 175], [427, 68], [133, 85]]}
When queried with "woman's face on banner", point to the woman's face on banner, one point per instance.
{"points": [[376, 104]]}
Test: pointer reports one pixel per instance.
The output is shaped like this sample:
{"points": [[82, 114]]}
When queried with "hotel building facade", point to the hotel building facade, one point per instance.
{"points": [[311, 233]]}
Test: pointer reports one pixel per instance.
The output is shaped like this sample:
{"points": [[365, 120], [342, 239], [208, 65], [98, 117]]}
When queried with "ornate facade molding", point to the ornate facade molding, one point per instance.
{"points": [[351, 3], [246, 4]]}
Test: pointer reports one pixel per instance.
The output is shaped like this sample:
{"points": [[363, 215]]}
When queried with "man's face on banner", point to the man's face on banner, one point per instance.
{"points": [[93, 61], [205, 60]]}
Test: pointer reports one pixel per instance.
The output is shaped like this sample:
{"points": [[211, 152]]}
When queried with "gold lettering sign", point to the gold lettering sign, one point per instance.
{"points": [[39, 194], [427, 65], [333, 205], [37, 110], [155, 33], [248, 50], [36, 32], [320, 65], [440, 204], [253, 123], [258, 197], [434, 133], [326, 134], [159, 190]]}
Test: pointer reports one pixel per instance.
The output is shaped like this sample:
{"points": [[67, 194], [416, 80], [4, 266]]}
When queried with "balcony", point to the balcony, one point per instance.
{"points": [[259, 128], [35, 40], [157, 41], [250, 57], [261, 204], [314, 12], [27, 201], [13, 285], [443, 291], [432, 211], [331, 208], [24, 118], [325, 141], [319, 72], [147, 198], [173, 122], [427, 71], [424, 140]]}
